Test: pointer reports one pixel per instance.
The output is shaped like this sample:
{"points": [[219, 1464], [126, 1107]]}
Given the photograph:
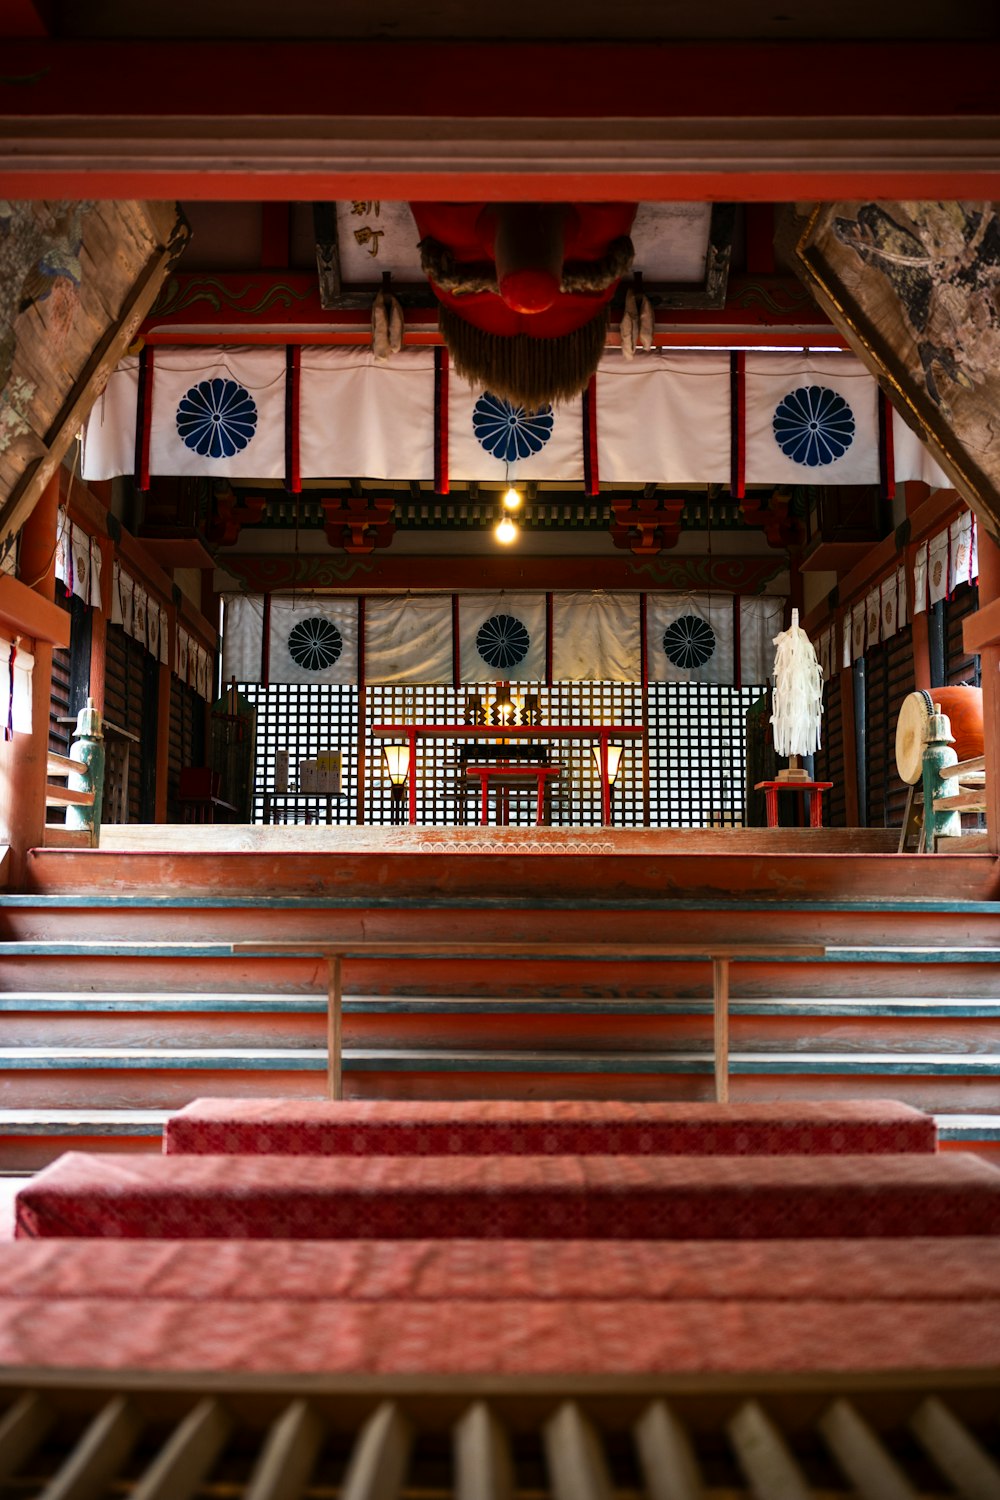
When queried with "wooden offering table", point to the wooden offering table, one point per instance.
{"points": [[502, 775], [719, 955], [815, 788], [603, 734]]}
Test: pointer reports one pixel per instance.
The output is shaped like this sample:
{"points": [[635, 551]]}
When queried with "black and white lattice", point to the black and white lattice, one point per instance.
{"points": [[502, 642], [688, 642], [315, 644]]}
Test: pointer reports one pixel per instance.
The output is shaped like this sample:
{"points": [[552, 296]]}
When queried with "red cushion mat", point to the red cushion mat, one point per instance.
{"points": [[496, 1338], [374, 1127], [510, 1197], [450, 1270]]}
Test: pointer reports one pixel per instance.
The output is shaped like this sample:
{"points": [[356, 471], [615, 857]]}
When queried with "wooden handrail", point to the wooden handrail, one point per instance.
{"points": [[63, 765]]}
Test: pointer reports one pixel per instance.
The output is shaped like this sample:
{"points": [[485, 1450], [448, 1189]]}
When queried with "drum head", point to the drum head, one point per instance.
{"points": [[911, 732]]}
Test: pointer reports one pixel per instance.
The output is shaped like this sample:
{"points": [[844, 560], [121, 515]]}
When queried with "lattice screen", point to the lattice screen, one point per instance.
{"points": [[446, 795], [697, 754], [304, 719], [696, 750], [829, 761]]}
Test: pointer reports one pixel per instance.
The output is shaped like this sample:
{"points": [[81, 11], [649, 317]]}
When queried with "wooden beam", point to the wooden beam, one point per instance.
{"points": [[797, 120], [25, 612], [982, 629]]}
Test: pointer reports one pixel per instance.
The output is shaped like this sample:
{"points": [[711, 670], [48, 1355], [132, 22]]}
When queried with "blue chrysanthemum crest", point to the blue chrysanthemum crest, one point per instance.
{"points": [[813, 426], [217, 418], [502, 641], [508, 431]]}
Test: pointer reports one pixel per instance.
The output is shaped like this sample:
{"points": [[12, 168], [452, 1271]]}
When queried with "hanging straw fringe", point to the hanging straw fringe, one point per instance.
{"points": [[528, 372], [798, 692]]}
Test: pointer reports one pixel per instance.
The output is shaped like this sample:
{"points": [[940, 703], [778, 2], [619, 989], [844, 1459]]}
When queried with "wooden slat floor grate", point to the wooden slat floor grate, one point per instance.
{"points": [[67, 1435]]}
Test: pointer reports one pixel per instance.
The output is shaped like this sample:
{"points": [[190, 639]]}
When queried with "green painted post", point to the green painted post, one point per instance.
{"points": [[938, 753], [88, 747]]}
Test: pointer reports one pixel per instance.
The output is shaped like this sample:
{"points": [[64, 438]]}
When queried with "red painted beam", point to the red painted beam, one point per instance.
{"points": [[765, 122], [171, 80]]}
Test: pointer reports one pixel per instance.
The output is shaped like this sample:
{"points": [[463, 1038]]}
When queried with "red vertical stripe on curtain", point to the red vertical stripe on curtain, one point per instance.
{"points": [[144, 418], [293, 388], [643, 642], [265, 644], [738, 424], [442, 482], [456, 647], [737, 645], [591, 473]]}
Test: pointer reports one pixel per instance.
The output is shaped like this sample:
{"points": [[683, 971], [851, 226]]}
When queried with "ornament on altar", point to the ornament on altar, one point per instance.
{"points": [[525, 290], [798, 698]]}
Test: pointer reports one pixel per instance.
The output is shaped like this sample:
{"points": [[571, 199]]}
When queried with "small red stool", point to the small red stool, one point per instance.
{"points": [[506, 776], [816, 788]]}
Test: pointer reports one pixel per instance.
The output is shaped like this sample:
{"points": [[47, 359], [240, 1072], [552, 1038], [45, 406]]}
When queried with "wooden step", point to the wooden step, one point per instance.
{"points": [[64, 765]]}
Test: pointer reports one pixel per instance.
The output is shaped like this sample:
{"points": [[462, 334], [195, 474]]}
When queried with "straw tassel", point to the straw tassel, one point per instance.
{"points": [[798, 692], [629, 326]]}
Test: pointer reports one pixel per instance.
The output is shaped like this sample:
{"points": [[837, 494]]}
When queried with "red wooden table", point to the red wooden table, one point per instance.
{"points": [[602, 733], [772, 788], [504, 774]]}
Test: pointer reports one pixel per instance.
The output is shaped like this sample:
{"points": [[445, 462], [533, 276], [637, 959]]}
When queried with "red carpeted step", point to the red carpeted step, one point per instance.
{"points": [[498, 1338], [951, 1270], [544, 1128], [514, 1197]]}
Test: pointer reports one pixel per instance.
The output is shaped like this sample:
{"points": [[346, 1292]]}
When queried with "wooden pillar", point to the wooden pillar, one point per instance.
{"points": [[25, 757], [989, 656], [99, 625], [852, 812], [162, 743]]}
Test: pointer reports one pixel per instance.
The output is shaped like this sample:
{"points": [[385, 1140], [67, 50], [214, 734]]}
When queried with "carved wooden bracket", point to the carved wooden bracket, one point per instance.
{"points": [[229, 515], [646, 524], [359, 524], [780, 527]]}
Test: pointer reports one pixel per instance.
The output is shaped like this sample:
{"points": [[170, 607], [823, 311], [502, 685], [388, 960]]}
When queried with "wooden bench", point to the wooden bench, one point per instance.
{"points": [[720, 955]]}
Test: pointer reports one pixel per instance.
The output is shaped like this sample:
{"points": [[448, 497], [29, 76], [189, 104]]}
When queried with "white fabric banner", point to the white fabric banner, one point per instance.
{"points": [[937, 567], [408, 640], [139, 614], [810, 419], [901, 611], [859, 621], [596, 638], [122, 599], [312, 640], [502, 637], [164, 637], [964, 550], [873, 616], [912, 459], [890, 588], [762, 616], [489, 438], [920, 579], [181, 662], [846, 635], [95, 573], [109, 432], [219, 412], [153, 628], [361, 420], [80, 553], [665, 417], [826, 661], [63, 562], [17, 713], [690, 638], [242, 636]]}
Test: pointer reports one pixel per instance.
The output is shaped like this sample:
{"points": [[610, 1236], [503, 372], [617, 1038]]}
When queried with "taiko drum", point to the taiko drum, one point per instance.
{"points": [[964, 707]]}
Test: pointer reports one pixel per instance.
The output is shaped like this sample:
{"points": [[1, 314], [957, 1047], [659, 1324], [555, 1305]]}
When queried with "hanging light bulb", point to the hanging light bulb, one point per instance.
{"points": [[505, 531], [513, 499]]}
